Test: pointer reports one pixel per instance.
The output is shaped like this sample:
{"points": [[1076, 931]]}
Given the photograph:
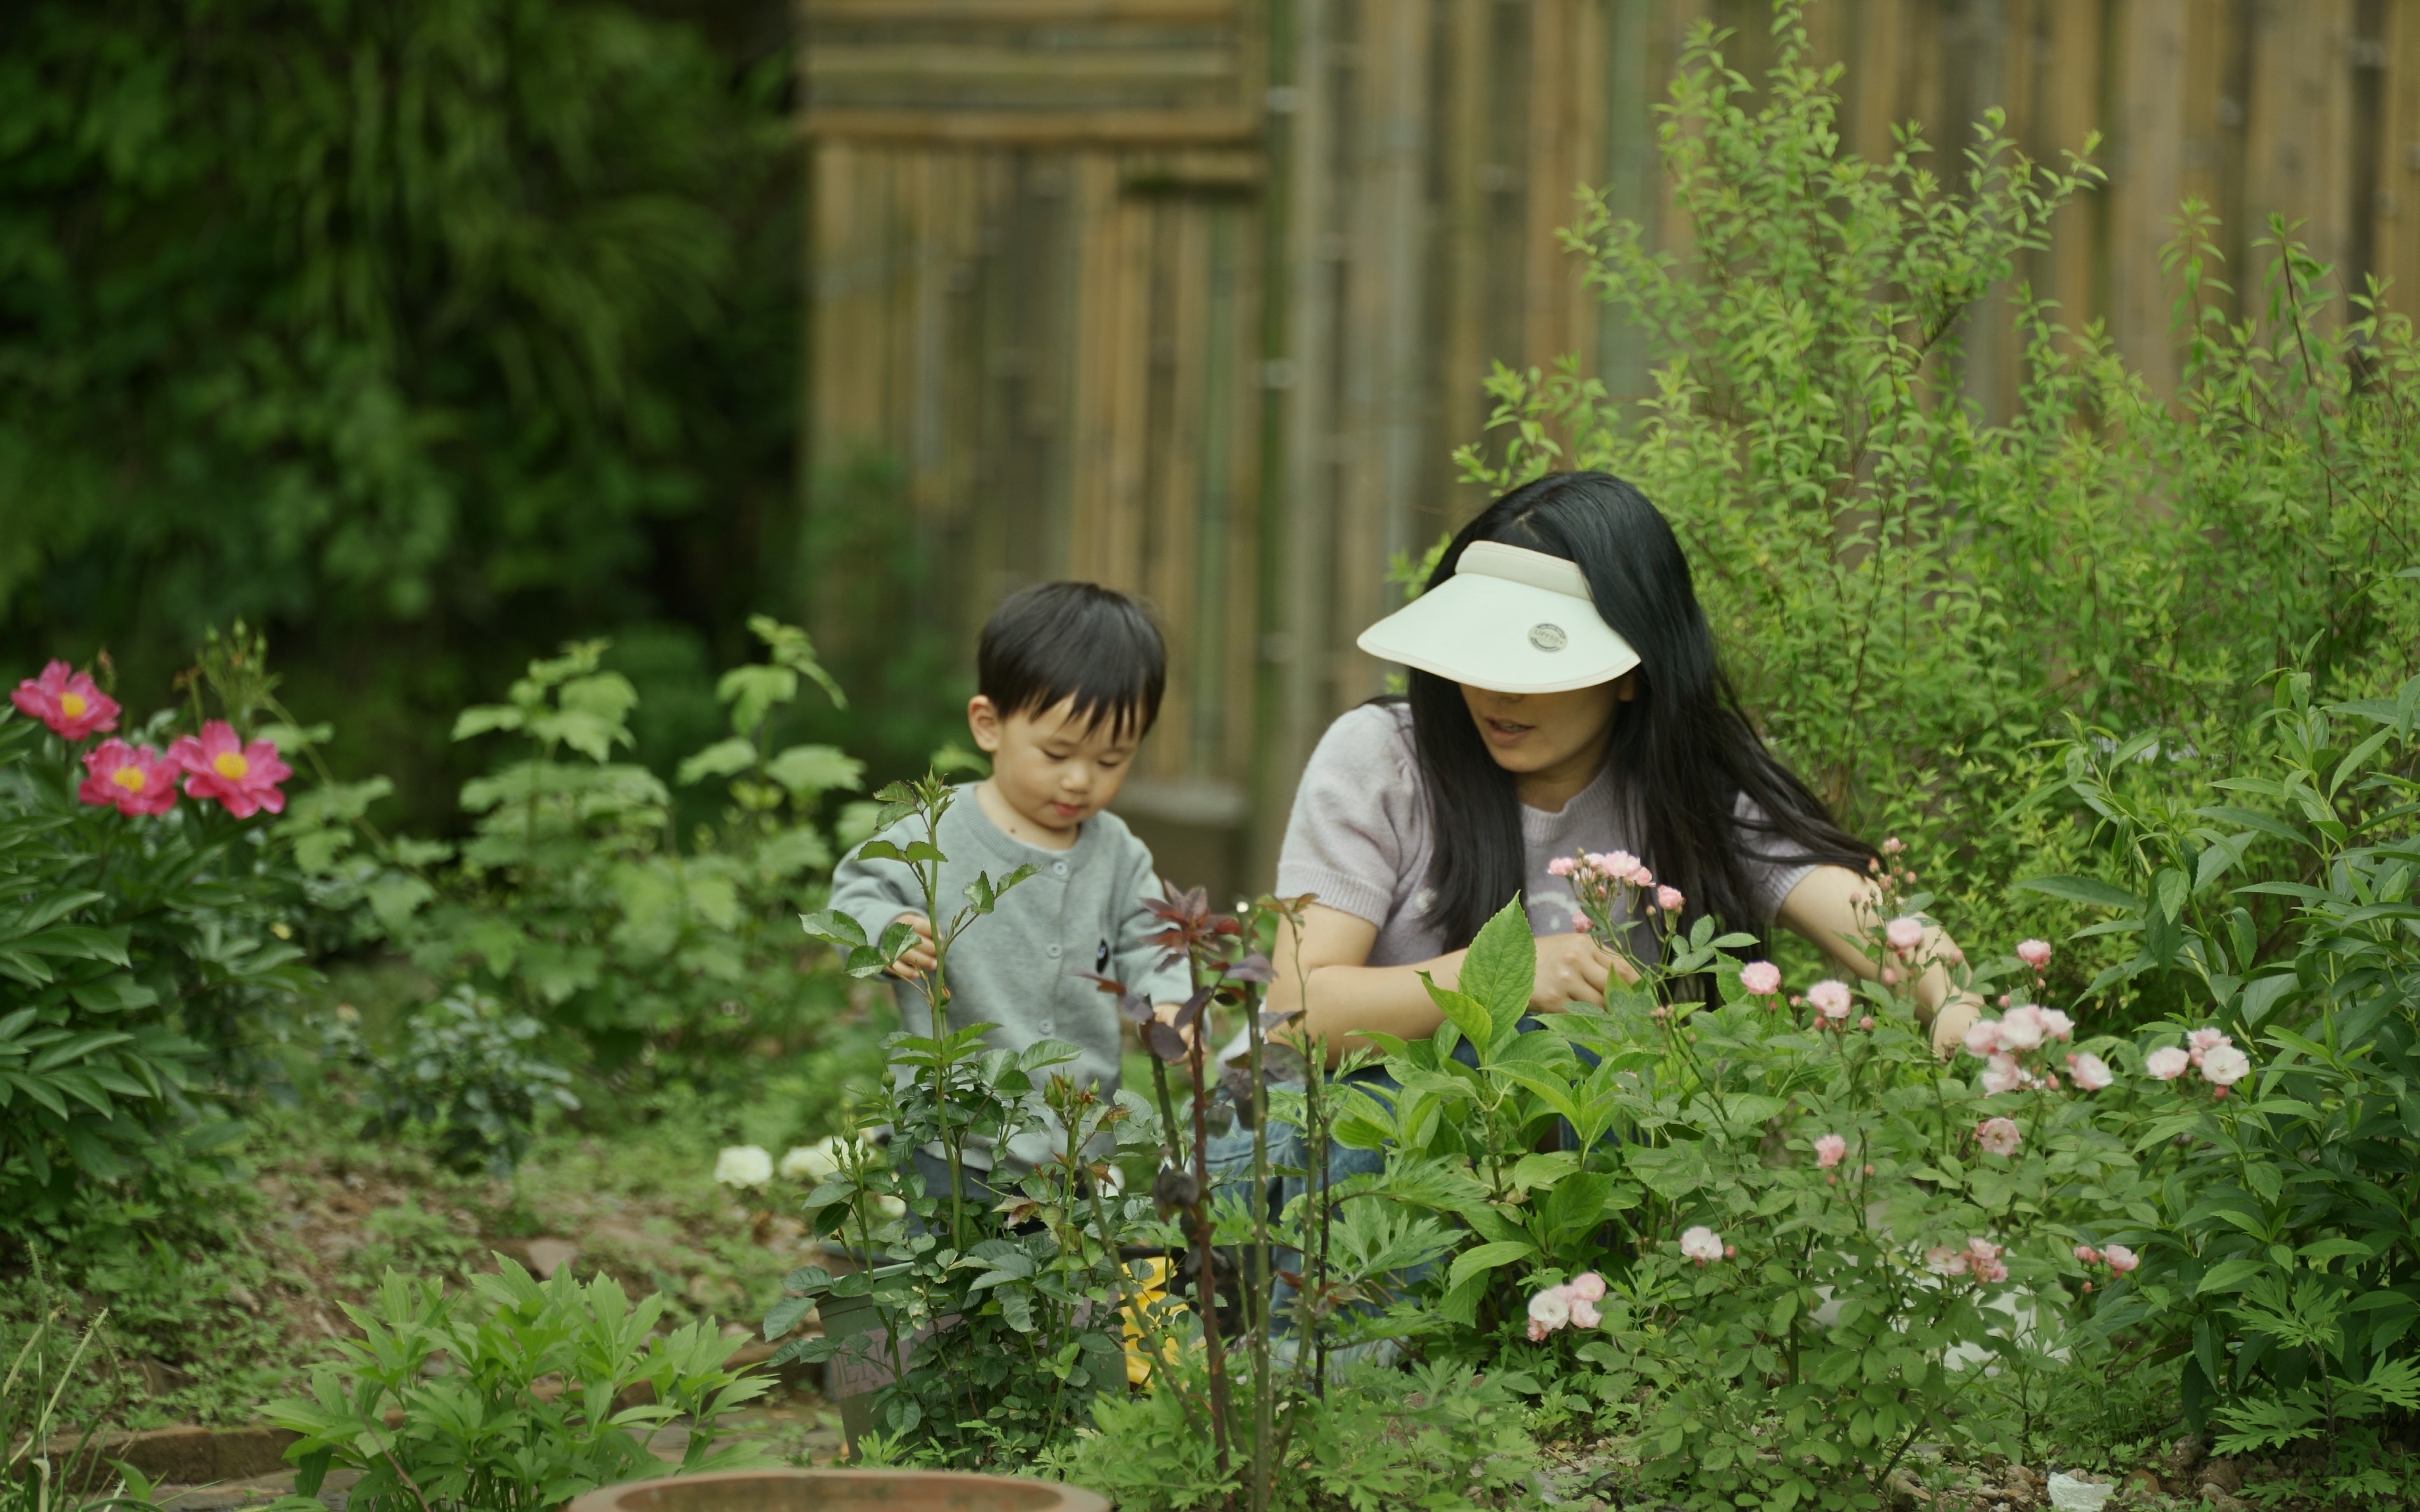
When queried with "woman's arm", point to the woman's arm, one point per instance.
{"points": [[1841, 912], [1321, 972]]}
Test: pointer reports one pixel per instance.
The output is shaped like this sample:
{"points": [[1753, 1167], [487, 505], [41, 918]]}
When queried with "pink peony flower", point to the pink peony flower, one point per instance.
{"points": [[1586, 1286], [2120, 1259], [1904, 935], [1983, 1038], [2202, 1041], [2090, 1072], [1701, 1244], [1584, 1312], [1830, 999], [1999, 1136], [1829, 1152], [1760, 979], [2034, 953], [1562, 866], [1550, 1309], [136, 778], [2022, 1028], [221, 767], [2001, 1073], [2225, 1065], [2166, 1063], [67, 701], [1669, 900]]}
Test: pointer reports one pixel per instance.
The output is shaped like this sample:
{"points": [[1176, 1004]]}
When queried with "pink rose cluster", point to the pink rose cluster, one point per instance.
{"points": [[2116, 1256], [216, 764], [1599, 878], [1573, 1304], [1981, 1259], [2211, 1050], [2009, 1045]]}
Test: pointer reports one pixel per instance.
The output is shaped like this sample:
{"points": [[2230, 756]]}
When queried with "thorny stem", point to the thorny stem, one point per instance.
{"points": [[1205, 1286], [1257, 1292]]}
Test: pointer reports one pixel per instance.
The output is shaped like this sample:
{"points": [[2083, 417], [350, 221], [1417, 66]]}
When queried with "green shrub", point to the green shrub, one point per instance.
{"points": [[579, 903], [1912, 593], [466, 1073], [482, 1436], [2281, 1229]]}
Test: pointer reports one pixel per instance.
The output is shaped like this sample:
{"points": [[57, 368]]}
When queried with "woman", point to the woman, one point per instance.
{"points": [[1564, 697]]}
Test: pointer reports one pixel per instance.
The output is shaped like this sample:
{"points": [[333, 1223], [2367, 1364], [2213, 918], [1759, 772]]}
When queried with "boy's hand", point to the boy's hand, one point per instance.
{"points": [[918, 958], [1166, 1013]]}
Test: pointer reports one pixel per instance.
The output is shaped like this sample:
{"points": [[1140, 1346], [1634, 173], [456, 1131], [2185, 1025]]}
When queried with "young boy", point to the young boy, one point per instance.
{"points": [[1068, 678]]}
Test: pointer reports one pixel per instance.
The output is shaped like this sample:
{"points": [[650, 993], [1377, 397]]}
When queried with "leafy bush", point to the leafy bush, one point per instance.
{"points": [[1912, 593], [577, 902], [2280, 1233], [488, 1435], [140, 949], [467, 1075]]}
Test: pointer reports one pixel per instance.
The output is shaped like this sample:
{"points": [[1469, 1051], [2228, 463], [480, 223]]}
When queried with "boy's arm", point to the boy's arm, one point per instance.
{"points": [[1136, 962], [878, 894]]}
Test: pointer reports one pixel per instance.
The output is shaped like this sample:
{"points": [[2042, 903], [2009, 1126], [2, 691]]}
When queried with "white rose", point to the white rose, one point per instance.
{"points": [[743, 1166]]}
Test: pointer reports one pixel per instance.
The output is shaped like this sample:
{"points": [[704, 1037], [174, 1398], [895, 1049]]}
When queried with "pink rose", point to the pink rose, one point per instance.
{"points": [[1830, 999], [2057, 1026], [1829, 1152], [1584, 1312], [1983, 1038], [2034, 953], [2202, 1041], [2120, 1259], [1537, 1332], [67, 701], [2001, 1073], [1894, 845], [136, 778], [1561, 865], [2022, 1028], [1904, 935], [1615, 864], [1760, 979], [2000, 1136], [1990, 1271], [221, 767], [1944, 1260], [2090, 1072], [1701, 1244], [1669, 900], [1586, 1286], [2225, 1065], [2088, 1254], [1550, 1309], [1579, 922], [2166, 1063]]}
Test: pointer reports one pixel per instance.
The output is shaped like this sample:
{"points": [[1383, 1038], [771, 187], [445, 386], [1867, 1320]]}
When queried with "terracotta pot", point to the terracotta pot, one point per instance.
{"points": [[840, 1491]]}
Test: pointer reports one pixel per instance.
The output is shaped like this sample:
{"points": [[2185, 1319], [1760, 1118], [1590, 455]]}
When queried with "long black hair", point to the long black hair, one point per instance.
{"points": [[1681, 751]]}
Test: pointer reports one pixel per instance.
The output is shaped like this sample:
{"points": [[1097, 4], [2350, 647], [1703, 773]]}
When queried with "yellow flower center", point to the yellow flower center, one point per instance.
{"points": [[129, 777], [230, 765], [71, 704]]}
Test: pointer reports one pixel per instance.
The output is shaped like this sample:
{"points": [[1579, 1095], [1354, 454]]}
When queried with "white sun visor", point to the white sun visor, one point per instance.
{"points": [[1510, 620]]}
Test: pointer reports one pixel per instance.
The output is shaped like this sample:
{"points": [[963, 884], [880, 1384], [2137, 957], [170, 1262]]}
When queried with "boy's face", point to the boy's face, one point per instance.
{"points": [[1054, 770]]}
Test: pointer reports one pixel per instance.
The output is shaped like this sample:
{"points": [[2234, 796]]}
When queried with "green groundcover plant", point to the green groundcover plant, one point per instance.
{"points": [[526, 1408]]}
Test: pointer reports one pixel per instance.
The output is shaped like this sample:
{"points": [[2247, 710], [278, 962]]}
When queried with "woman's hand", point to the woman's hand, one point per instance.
{"points": [[1573, 968]]}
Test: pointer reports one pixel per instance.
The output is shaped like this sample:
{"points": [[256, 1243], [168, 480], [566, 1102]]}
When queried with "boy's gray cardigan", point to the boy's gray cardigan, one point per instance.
{"points": [[1017, 969]]}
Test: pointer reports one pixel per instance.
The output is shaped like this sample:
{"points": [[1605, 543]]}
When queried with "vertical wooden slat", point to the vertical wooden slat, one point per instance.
{"points": [[2147, 183], [2397, 255], [2299, 124], [1461, 157]]}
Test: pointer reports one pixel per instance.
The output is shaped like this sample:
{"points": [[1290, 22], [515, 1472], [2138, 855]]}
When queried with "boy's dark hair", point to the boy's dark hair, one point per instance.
{"points": [[1078, 640]]}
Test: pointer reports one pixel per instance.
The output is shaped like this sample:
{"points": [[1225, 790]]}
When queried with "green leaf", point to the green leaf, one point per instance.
{"points": [[806, 770], [1480, 1258], [1500, 970], [722, 758], [2081, 891], [2231, 1275], [1464, 1011]]}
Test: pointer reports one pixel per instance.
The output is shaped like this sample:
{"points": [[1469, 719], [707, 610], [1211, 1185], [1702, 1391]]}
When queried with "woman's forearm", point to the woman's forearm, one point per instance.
{"points": [[1338, 1001]]}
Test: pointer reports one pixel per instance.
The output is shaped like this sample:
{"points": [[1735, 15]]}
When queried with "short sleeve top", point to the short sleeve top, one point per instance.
{"points": [[1358, 838]]}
